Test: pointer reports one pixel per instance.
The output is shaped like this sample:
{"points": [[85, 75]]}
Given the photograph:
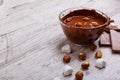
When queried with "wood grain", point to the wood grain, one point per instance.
{"points": [[31, 39]]}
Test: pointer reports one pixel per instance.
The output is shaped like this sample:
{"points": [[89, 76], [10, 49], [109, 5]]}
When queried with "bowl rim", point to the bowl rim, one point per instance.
{"points": [[81, 8]]}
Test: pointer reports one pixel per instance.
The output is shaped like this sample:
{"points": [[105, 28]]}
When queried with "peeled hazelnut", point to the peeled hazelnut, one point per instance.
{"points": [[85, 23], [98, 54], [67, 20], [94, 23], [79, 75], [66, 59], [85, 65], [82, 56], [78, 24], [93, 47], [85, 19]]}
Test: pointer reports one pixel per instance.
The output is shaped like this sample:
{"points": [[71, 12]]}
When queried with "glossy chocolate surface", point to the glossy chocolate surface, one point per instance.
{"points": [[80, 30]]}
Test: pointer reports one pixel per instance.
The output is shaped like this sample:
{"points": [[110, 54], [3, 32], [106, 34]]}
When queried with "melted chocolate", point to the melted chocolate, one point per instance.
{"points": [[83, 26]]}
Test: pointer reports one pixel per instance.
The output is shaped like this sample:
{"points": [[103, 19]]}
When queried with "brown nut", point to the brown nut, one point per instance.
{"points": [[82, 56], [79, 75], [66, 59], [78, 24], [93, 47], [85, 23], [85, 19], [98, 54], [67, 20], [85, 65], [94, 23]]}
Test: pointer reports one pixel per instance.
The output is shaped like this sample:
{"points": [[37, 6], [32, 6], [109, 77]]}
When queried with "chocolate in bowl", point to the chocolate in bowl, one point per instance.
{"points": [[80, 31]]}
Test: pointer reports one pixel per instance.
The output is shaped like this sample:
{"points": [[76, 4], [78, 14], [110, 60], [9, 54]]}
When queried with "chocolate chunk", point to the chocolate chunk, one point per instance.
{"points": [[115, 40], [105, 39], [108, 28]]}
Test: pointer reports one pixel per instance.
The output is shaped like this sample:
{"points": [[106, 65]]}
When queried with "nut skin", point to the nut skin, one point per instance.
{"points": [[98, 54], [82, 56], [93, 47], [85, 65], [66, 59], [79, 75]]}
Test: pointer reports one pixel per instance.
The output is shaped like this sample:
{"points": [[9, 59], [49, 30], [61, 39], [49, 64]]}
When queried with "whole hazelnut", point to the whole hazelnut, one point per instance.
{"points": [[66, 59], [79, 75], [82, 56], [93, 47], [85, 65], [85, 19], [78, 24], [94, 23], [98, 54], [67, 20]]}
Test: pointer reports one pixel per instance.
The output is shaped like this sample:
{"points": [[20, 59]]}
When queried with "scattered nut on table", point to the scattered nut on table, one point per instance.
{"points": [[82, 56], [93, 47], [66, 59], [100, 63], [79, 75], [66, 49], [85, 65], [85, 19], [67, 70], [98, 54]]}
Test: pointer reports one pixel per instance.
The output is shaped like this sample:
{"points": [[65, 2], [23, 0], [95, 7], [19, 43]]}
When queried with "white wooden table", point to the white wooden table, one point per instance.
{"points": [[31, 39]]}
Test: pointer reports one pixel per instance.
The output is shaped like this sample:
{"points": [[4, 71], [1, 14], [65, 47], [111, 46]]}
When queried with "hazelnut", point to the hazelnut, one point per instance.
{"points": [[85, 19], [93, 47], [85, 23], [78, 24], [82, 56], [94, 23], [85, 65], [79, 75], [67, 20], [98, 54], [66, 59]]}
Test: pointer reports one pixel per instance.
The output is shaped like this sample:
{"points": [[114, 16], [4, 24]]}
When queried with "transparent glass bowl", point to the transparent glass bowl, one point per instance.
{"points": [[79, 35]]}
